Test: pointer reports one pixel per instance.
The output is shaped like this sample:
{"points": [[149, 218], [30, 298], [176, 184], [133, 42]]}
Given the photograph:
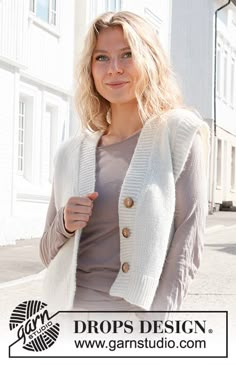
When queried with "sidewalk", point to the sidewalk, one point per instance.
{"points": [[22, 272], [213, 289], [220, 219], [22, 260]]}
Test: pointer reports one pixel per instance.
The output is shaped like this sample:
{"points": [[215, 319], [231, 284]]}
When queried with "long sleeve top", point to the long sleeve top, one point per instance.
{"points": [[99, 258]]}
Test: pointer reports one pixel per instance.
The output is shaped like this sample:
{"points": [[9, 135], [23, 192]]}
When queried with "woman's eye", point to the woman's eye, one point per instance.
{"points": [[101, 58], [127, 55]]}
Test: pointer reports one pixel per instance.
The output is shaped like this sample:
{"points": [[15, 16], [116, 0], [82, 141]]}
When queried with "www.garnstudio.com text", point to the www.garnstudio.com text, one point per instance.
{"points": [[146, 343]]}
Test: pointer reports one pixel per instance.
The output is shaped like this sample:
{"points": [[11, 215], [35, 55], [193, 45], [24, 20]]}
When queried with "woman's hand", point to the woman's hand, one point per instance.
{"points": [[77, 212]]}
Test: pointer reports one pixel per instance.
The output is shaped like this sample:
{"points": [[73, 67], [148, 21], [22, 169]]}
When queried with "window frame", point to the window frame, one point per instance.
{"points": [[21, 138], [110, 5], [219, 70], [32, 5], [52, 12], [219, 161], [225, 85], [233, 169], [232, 80]]}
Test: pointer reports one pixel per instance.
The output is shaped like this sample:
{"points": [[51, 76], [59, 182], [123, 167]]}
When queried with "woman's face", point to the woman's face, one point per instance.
{"points": [[113, 69]]}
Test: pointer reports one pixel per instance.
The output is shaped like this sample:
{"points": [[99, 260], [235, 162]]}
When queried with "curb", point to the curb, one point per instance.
{"points": [[219, 227], [24, 280]]}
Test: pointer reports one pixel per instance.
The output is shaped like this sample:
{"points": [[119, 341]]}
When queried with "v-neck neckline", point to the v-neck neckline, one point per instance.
{"points": [[119, 142]]}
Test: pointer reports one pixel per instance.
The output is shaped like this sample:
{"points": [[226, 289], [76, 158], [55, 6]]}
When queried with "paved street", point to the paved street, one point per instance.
{"points": [[20, 260], [21, 270], [214, 287]]}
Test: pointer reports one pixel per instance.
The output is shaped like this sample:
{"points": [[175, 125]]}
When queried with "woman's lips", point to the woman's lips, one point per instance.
{"points": [[116, 85]]}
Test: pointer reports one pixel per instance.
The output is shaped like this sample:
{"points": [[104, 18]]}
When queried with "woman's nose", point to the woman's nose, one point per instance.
{"points": [[115, 66]]}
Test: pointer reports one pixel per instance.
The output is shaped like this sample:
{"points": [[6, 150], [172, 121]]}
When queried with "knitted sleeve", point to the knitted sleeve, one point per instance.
{"points": [[54, 235], [184, 255]]}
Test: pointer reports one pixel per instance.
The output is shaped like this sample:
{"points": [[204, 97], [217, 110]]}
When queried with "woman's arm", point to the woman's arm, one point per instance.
{"points": [[184, 255], [55, 234]]}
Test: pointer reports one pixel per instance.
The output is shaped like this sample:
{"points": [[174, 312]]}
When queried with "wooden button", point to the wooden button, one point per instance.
{"points": [[128, 202], [126, 232], [125, 267]]}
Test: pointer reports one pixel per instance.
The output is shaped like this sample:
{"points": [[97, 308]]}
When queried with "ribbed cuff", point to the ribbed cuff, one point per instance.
{"points": [[60, 224]]}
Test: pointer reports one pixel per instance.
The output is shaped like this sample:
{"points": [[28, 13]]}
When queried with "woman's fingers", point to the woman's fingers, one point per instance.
{"points": [[77, 211], [93, 195], [76, 217], [80, 209], [75, 200], [74, 220]]}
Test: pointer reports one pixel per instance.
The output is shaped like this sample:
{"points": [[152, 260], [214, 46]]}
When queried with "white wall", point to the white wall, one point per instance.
{"points": [[7, 97], [224, 192], [226, 38], [50, 54], [192, 51], [225, 106], [13, 30], [157, 12], [41, 51], [36, 66]]}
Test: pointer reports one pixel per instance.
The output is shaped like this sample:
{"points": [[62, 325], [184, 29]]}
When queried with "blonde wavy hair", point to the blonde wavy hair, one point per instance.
{"points": [[156, 90]]}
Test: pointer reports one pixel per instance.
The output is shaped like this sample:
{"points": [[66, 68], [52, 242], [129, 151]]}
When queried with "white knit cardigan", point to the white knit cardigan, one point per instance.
{"points": [[157, 162]]}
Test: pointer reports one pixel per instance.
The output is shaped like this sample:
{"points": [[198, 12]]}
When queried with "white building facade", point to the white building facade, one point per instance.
{"points": [[39, 44], [36, 74], [226, 105], [203, 50]]}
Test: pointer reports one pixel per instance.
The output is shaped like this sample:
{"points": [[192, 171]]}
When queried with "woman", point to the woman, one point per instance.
{"points": [[125, 224]]}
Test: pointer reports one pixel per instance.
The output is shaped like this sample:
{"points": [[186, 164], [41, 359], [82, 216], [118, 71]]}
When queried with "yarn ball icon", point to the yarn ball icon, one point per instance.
{"points": [[34, 325]]}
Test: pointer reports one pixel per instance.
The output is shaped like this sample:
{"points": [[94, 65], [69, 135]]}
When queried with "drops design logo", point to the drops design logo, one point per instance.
{"points": [[34, 326]]}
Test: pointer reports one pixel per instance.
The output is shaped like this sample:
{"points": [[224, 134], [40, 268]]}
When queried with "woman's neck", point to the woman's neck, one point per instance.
{"points": [[125, 121]]}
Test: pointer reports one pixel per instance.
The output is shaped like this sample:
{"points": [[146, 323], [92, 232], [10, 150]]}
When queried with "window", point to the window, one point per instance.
{"points": [[232, 85], [219, 162], [218, 65], [49, 142], [42, 10], [25, 148], [46, 147], [233, 168], [153, 19], [45, 10], [21, 138], [113, 5], [225, 75]]}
